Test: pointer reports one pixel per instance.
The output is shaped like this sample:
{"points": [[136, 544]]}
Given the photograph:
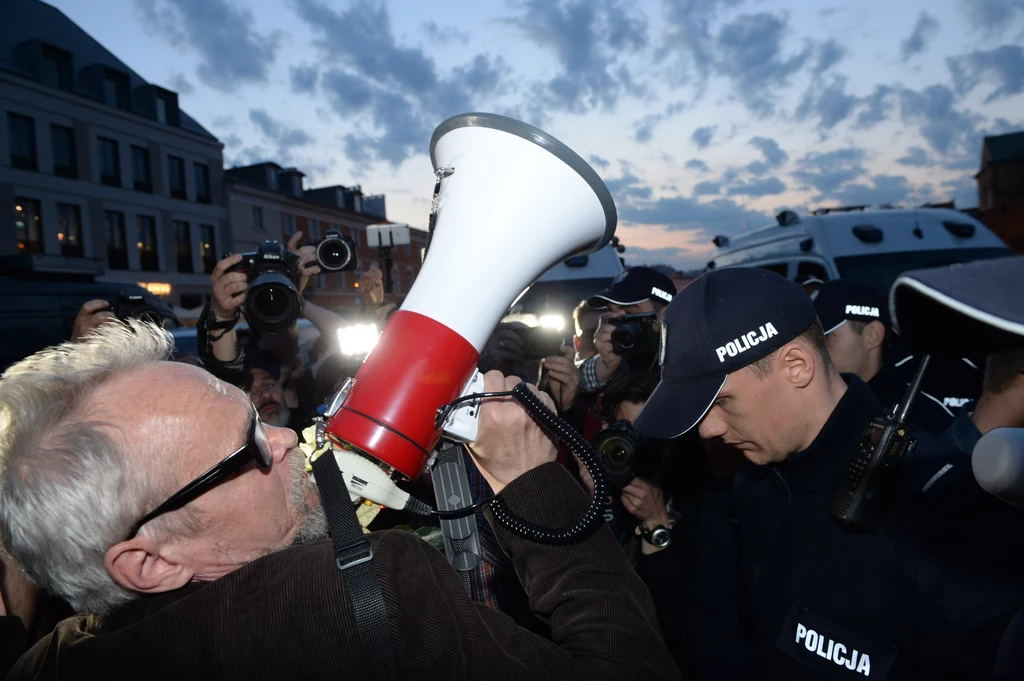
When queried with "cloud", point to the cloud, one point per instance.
{"points": [[397, 89], [830, 105], [750, 51], [590, 38], [598, 161], [628, 187], [827, 55], [644, 128], [444, 35], [222, 32], [232, 140], [915, 157], [772, 155], [707, 188], [828, 171], [702, 136], [992, 16], [677, 257], [718, 216], [764, 186], [948, 131], [876, 107], [181, 85], [303, 77], [696, 164], [1002, 67], [688, 37], [882, 189], [285, 139], [924, 31]]}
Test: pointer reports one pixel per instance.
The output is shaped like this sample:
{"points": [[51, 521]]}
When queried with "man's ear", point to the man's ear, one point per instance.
{"points": [[140, 565], [874, 335], [798, 364]]}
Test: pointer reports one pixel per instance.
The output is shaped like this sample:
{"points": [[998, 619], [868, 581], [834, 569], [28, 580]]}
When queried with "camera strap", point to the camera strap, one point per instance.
{"points": [[452, 493], [353, 556]]}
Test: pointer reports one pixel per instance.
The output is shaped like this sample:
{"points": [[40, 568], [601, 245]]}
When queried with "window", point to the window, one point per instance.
{"points": [[28, 228], [176, 177], [202, 172], [289, 225], [21, 131], [807, 269], [142, 178], [149, 258], [257, 218], [55, 69], [881, 269], [208, 246], [117, 243], [115, 90], [110, 162], [69, 225], [65, 160], [320, 282], [161, 109], [183, 246], [314, 229]]}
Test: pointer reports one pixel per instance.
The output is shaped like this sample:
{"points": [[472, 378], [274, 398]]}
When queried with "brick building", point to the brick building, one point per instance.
{"points": [[268, 202], [1001, 187]]}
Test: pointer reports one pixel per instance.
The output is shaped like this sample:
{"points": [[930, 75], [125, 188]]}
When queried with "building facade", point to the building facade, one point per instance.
{"points": [[1001, 188], [268, 202], [101, 172]]}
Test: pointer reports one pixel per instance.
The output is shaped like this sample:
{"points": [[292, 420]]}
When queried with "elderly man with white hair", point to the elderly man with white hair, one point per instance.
{"points": [[149, 495]]}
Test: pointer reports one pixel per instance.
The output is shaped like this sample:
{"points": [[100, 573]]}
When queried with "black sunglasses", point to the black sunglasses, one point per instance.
{"points": [[256, 448]]}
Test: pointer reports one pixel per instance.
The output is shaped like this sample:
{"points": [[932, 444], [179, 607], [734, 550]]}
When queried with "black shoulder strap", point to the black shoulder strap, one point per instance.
{"points": [[452, 493], [353, 555]]}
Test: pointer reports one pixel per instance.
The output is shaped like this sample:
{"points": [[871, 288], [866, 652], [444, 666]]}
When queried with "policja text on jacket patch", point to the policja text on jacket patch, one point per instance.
{"points": [[832, 650]]}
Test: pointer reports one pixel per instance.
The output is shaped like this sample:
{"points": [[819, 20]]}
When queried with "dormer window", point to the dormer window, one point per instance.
{"points": [[55, 68], [115, 90]]}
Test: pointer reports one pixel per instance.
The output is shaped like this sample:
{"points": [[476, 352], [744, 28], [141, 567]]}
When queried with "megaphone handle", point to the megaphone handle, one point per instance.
{"points": [[593, 516]]}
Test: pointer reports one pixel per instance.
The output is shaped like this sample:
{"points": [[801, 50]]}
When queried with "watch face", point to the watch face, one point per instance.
{"points": [[661, 537]]}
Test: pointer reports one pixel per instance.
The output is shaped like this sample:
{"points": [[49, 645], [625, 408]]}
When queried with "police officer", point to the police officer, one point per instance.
{"points": [[783, 591], [855, 318]]}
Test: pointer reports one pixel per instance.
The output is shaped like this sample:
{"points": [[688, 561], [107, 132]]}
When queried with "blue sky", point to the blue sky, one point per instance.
{"points": [[704, 117]]}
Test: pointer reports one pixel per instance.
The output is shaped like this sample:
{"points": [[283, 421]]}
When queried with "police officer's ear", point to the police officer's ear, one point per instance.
{"points": [[874, 335], [798, 363]]}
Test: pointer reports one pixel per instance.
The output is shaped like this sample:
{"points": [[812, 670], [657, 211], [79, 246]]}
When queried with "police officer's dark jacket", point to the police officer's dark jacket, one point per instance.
{"points": [[786, 593]]}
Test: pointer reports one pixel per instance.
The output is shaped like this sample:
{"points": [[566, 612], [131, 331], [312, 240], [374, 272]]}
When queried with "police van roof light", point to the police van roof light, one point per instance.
{"points": [[807, 244], [787, 218], [869, 234], [961, 230], [720, 240]]}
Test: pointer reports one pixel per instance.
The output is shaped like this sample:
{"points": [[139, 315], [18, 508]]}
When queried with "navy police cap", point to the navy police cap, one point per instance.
{"points": [[723, 321], [842, 300]]}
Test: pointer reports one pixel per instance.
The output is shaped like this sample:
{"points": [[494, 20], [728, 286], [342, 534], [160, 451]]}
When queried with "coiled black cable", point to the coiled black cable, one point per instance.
{"points": [[592, 518]]}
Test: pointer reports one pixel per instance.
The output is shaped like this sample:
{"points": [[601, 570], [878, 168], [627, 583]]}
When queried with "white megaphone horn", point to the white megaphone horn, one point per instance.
{"points": [[517, 202]]}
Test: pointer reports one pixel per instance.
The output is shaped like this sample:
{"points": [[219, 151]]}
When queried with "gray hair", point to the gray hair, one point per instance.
{"points": [[66, 493]]}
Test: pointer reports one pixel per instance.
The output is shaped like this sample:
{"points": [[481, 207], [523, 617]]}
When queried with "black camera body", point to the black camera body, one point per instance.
{"points": [[625, 453], [336, 253], [134, 306], [272, 303], [540, 342], [636, 335]]}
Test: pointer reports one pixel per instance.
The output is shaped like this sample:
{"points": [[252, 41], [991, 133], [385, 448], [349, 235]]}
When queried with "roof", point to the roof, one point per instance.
{"points": [[1005, 147], [24, 20]]}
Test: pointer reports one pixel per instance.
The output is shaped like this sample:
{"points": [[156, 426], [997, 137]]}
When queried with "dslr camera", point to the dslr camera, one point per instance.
{"points": [[625, 453], [272, 302], [636, 335], [134, 306], [336, 253]]}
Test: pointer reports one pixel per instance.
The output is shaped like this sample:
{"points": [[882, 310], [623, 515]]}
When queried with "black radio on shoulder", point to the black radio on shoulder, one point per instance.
{"points": [[861, 496]]}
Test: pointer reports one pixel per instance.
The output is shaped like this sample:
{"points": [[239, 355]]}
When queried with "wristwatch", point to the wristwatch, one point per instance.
{"points": [[659, 536]]}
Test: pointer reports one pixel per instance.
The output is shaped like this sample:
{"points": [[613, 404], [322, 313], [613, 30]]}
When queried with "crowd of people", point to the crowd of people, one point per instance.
{"points": [[158, 517]]}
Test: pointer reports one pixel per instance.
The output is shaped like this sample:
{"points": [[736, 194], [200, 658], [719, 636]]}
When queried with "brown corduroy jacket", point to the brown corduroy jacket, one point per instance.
{"points": [[288, 616]]}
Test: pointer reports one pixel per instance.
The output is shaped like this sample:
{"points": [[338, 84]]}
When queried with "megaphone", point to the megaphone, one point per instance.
{"points": [[513, 201]]}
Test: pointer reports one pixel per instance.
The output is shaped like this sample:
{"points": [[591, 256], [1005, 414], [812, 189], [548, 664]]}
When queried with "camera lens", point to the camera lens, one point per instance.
{"points": [[625, 336], [271, 303], [333, 254]]}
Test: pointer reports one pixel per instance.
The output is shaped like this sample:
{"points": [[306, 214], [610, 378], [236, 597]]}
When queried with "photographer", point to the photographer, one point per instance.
{"points": [[785, 591], [90, 317], [240, 582], [859, 335], [637, 290]]}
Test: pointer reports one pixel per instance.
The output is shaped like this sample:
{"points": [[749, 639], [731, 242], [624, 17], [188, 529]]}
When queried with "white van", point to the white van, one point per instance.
{"points": [[873, 245]]}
